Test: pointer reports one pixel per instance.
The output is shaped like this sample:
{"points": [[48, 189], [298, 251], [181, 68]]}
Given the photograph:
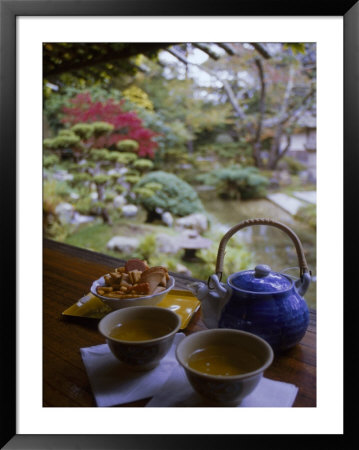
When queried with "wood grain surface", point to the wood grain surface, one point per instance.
{"points": [[68, 273]]}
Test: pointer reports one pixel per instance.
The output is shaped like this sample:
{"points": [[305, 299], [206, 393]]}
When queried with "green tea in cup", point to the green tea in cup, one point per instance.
{"points": [[223, 360], [140, 329], [140, 336], [224, 365]]}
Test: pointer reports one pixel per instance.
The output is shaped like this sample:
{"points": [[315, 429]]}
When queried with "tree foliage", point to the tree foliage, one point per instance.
{"points": [[269, 87], [109, 171], [90, 62], [236, 182], [126, 125], [175, 195]]}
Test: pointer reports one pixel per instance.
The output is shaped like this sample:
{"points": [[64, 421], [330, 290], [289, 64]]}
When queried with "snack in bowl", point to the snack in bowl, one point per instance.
{"points": [[133, 281]]}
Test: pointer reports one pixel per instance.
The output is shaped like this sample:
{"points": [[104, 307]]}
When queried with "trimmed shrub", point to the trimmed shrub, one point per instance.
{"points": [[126, 158], [84, 205], [127, 145], [101, 128], [50, 160], [143, 164], [143, 192], [294, 166], [236, 182], [175, 195], [83, 130], [132, 179], [62, 141]]}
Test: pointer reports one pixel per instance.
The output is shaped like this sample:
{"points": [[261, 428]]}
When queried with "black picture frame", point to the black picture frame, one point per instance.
{"points": [[9, 10]]}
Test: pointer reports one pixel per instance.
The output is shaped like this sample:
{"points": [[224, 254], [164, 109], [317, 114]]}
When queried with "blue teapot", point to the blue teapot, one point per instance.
{"points": [[260, 301]]}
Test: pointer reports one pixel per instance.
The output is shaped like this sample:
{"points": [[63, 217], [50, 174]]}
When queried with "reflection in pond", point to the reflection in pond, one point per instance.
{"points": [[269, 245]]}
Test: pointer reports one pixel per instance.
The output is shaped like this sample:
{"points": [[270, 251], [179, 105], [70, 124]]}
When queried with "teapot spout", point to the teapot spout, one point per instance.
{"points": [[199, 289], [212, 301]]}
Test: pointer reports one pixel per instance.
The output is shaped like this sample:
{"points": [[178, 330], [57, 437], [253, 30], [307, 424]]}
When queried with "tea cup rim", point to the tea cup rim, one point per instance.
{"points": [[243, 376], [138, 307]]}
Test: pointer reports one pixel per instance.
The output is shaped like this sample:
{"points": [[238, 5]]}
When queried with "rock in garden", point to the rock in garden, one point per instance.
{"points": [[123, 244], [273, 183], [80, 218], [192, 243], [185, 166], [122, 170], [63, 175], [180, 268], [167, 218], [189, 233], [129, 210], [196, 221], [284, 178], [167, 244], [115, 171], [64, 212], [119, 201]]}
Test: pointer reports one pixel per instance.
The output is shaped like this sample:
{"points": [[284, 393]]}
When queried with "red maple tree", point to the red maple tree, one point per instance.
{"points": [[127, 123]]}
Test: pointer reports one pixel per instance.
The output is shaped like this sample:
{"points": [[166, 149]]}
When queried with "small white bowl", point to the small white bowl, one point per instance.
{"points": [[119, 303]]}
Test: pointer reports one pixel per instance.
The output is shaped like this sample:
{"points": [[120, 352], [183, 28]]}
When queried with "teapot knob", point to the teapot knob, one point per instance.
{"points": [[262, 271]]}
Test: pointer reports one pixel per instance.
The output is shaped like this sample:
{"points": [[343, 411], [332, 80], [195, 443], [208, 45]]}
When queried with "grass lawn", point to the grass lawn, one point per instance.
{"points": [[296, 185], [96, 236]]}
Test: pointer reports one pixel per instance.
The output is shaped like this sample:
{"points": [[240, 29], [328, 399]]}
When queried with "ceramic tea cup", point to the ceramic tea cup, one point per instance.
{"points": [[224, 365], [140, 336]]}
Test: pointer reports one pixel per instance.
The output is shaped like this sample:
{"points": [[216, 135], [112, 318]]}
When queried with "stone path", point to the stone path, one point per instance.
{"points": [[292, 204], [289, 204], [307, 196]]}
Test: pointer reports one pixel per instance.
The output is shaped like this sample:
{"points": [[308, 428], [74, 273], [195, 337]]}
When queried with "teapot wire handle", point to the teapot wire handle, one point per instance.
{"points": [[303, 266]]}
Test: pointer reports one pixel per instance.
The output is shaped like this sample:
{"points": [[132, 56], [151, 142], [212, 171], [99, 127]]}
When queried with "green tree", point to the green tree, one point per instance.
{"points": [[236, 182], [186, 114], [95, 166], [258, 92], [84, 64], [168, 193], [268, 91]]}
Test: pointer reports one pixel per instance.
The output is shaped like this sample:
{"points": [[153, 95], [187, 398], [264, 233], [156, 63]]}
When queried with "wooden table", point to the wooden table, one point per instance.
{"points": [[67, 275]]}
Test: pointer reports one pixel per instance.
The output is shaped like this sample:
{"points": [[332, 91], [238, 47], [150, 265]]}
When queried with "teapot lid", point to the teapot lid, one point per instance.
{"points": [[261, 279]]}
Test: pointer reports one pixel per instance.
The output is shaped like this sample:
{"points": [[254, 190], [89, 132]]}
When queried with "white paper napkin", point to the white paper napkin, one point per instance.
{"points": [[177, 391], [113, 384]]}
